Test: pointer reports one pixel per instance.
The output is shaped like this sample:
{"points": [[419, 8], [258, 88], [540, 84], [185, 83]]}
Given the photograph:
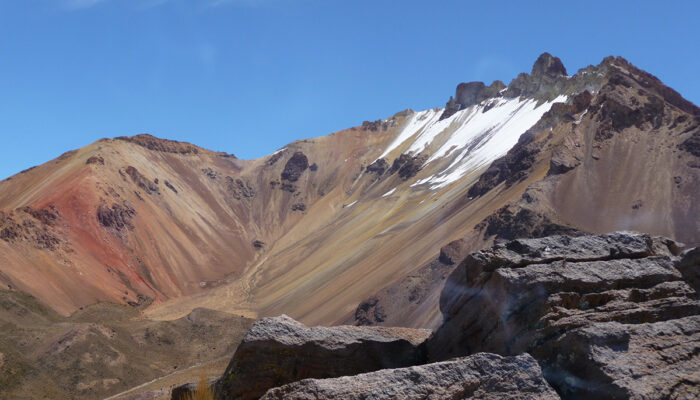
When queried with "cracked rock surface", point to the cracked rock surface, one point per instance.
{"points": [[605, 314], [480, 376], [281, 350]]}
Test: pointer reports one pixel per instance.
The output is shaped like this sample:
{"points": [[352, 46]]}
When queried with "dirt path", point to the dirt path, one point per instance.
{"points": [[160, 388]]}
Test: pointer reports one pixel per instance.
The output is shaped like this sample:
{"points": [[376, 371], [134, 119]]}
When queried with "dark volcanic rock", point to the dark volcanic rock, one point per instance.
{"points": [[369, 312], [510, 168], [298, 207], [602, 314], [210, 173], [548, 65], [30, 225], [288, 187], [295, 166], [163, 145], [412, 167], [546, 80], [170, 186], [141, 181], [509, 224], [407, 166], [692, 144], [259, 244], [279, 350], [374, 126], [471, 93], [95, 160], [481, 376], [118, 217], [239, 189], [468, 93], [46, 217], [450, 253], [690, 267], [378, 167]]}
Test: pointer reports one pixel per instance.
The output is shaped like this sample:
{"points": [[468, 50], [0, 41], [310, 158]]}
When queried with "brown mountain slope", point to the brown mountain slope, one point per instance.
{"points": [[625, 157], [322, 224]]}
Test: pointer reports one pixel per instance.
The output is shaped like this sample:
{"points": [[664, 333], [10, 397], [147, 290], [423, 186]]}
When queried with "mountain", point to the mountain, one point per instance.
{"points": [[376, 216]]}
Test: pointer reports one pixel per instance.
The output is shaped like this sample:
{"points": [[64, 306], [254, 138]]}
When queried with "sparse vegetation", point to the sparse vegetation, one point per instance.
{"points": [[203, 391]]}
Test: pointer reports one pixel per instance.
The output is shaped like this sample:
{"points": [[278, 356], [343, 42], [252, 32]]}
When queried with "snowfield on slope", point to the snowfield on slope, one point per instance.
{"points": [[478, 137]]}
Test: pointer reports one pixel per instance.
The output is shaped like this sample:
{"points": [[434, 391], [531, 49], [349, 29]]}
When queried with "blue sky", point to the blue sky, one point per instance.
{"points": [[248, 76]]}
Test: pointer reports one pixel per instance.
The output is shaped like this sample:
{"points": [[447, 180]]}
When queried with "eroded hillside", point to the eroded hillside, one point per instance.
{"points": [[322, 224]]}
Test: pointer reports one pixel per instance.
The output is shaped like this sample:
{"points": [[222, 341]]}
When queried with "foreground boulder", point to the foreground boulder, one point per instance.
{"points": [[280, 350], [481, 376], [607, 315]]}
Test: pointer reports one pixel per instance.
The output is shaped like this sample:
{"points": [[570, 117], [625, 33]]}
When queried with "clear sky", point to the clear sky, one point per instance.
{"points": [[249, 76]]}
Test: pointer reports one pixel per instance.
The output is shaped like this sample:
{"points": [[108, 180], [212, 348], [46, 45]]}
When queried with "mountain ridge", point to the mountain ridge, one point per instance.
{"points": [[119, 211]]}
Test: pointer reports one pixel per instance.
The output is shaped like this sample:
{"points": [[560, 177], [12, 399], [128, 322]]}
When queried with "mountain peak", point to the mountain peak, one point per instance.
{"points": [[546, 64]]}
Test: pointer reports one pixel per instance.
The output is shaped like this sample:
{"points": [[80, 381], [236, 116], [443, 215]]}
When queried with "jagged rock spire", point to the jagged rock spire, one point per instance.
{"points": [[546, 64]]}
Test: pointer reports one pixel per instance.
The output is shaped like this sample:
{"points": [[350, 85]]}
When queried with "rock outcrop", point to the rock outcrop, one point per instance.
{"points": [[690, 267], [602, 314], [471, 93], [407, 166], [30, 225], [239, 189], [514, 221], [280, 350], [481, 376], [295, 166], [162, 145], [141, 181], [119, 217]]}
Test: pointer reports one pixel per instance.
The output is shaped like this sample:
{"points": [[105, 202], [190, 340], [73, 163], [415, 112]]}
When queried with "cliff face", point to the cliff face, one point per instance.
{"points": [[608, 315]]}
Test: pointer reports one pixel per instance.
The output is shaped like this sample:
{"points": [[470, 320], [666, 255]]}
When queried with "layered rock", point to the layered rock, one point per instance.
{"points": [[602, 314], [481, 376], [280, 350], [690, 267]]}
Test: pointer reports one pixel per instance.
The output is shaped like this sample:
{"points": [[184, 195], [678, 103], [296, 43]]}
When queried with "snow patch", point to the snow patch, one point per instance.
{"points": [[482, 136], [415, 125], [351, 204], [278, 151], [389, 192]]}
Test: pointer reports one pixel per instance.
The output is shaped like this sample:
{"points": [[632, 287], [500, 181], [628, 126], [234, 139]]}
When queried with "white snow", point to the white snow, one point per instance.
{"points": [[417, 122], [351, 204], [278, 151], [389, 192], [475, 138], [578, 121], [483, 137]]}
